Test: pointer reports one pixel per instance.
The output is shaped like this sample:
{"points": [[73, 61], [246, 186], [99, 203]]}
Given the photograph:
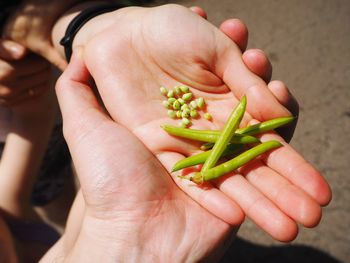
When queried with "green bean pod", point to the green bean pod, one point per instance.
{"points": [[234, 163], [226, 135], [211, 136], [201, 157], [206, 135], [265, 126]]}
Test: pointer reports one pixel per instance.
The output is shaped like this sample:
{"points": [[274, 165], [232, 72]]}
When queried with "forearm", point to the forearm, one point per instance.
{"points": [[26, 143]]}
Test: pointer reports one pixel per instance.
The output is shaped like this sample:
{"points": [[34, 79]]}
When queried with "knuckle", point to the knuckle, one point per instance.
{"points": [[5, 92]]}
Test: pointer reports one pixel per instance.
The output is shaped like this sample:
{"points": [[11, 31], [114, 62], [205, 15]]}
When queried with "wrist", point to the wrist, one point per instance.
{"points": [[104, 241]]}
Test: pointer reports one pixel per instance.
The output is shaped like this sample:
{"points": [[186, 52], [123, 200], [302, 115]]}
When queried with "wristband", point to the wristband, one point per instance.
{"points": [[77, 23]]}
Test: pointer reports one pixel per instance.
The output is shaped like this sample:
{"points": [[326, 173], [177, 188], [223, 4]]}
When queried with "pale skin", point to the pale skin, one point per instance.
{"points": [[277, 191], [38, 109], [123, 223]]}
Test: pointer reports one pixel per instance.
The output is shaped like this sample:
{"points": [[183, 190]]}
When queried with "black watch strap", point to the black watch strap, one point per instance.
{"points": [[78, 21]]}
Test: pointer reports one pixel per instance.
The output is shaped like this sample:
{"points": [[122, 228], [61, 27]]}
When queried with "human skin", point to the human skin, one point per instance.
{"points": [[133, 212], [30, 125], [277, 191], [31, 24]]}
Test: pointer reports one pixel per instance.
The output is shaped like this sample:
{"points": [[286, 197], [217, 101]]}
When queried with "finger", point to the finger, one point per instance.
{"points": [[199, 11], [9, 90], [258, 208], [10, 50], [208, 197], [27, 95], [54, 57], [237, 31], [258, 63], [286, 196], [29, 65], [291, 165], [283, 95], [262, 104], [75, 98]]}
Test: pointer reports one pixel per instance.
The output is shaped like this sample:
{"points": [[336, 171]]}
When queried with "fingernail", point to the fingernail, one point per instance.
{"points": [[15, 50]]}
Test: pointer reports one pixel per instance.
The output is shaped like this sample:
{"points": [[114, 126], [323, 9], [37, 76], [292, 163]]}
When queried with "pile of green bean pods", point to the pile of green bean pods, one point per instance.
{"points": [[231, 142], [181, 104]]}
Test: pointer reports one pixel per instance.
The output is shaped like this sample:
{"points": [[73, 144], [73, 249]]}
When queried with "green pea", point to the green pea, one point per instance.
{"points": [[193, 104], [177, 90], [200, 102], [186, 121], [171, 94], [182, 102], [172, 114], [184, 89], [178, 114], [187, 96], [176, 105], [163, 91], [193, 113], [171, 101], [207, 116], [166, 104], [184, 107]]}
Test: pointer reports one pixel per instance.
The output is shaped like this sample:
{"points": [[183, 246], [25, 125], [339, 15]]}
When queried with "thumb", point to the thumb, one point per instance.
{"points": [[80, 109], [10, 50]]}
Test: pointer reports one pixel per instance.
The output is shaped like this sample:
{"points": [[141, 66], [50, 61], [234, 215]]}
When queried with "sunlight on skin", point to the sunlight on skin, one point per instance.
{"points": [[130, 90]]}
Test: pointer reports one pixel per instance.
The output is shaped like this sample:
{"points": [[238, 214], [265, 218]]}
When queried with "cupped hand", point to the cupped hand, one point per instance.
{"points": [[143, 49], [132, 204]]}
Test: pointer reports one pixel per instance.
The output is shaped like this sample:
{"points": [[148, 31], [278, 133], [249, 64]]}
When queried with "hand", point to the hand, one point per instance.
{"points": [[23, 75], [31, 25], [131, 58], [133, 208]]}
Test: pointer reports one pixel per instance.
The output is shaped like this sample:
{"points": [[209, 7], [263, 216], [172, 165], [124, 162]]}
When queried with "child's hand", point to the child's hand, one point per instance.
{"points": [[23, 75], [143, 49]]}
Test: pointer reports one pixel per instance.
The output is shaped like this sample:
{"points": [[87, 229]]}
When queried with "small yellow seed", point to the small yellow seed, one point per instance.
{"points": [[187, 96], [193, 104], [182, 125], [193, 113], [177, 90], [207, 116], [172, 114], [170, 94], [182, 102], [171, 101], [186, 121], [176, 105], [166, 104], [185, 106], [163, 91], [185, 114], [200, 102], [184, 89], [179, 114]]}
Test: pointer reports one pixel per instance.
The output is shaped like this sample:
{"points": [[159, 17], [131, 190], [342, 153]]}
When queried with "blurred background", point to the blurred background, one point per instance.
{"points": [[308, 43]]}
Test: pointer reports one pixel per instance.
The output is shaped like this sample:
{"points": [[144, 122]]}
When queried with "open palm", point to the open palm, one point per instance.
{"points": [[126, 188], [168, 46]]}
